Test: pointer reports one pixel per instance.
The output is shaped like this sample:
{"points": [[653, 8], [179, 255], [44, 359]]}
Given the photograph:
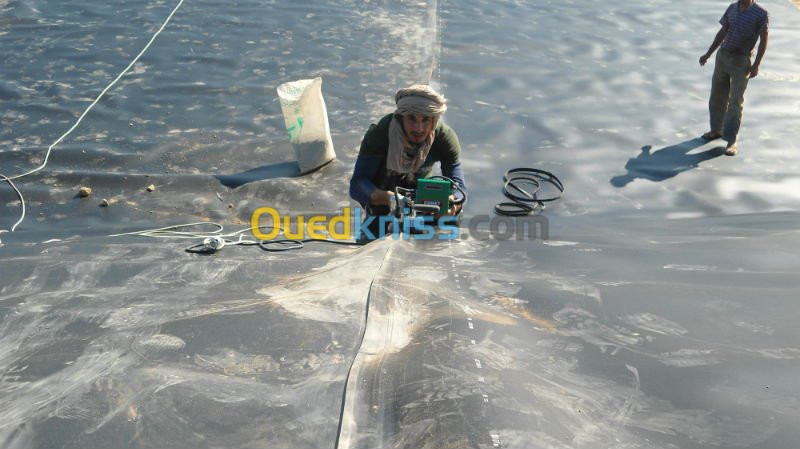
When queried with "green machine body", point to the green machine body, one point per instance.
{"points": [[434, 192]]}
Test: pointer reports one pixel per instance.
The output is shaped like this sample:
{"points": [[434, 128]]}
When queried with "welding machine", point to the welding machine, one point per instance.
{"points": [[431, 197], [433, 192]]}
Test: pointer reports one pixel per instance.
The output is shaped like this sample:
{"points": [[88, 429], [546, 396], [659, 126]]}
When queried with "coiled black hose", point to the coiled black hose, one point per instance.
{"points": [[521, 186]]}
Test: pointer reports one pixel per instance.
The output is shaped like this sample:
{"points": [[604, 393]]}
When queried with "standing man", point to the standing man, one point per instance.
{"points": [[744, 23]]}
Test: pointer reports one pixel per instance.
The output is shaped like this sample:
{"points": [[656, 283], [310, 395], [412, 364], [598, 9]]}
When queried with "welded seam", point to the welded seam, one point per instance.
{"points": [[436, 50], [358, 350], [434, 23]]}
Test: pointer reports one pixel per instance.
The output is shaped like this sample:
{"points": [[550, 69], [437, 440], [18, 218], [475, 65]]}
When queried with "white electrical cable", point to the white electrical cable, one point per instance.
{"points": [[213, 240], [96, 100], [22, 200]]}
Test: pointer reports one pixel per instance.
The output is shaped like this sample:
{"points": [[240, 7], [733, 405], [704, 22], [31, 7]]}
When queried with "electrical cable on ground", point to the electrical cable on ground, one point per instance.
{"points": [[214, 240], [8, 179], [21, 199], [289, 244]]}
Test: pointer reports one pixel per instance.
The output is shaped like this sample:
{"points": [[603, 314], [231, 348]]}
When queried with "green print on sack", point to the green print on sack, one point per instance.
{"points": [[294, 130]]}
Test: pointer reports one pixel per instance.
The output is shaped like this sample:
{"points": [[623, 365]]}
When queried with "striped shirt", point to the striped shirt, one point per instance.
{"points": [[744, 27]]}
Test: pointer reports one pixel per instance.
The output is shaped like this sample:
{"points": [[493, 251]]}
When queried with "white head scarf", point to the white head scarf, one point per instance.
{"points": [[403, 156]]}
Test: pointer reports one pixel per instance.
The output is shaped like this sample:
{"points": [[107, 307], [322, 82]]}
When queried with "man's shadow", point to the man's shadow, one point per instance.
{"points": [[665, 162]]}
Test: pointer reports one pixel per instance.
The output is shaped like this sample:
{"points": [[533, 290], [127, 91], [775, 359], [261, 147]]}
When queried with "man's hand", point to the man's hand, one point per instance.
{"points": [[704, 59], [454, 208], [380, 197], [754, 71]]}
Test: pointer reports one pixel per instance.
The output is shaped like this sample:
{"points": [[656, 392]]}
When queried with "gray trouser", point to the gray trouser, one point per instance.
{"points": [[731, 73]]}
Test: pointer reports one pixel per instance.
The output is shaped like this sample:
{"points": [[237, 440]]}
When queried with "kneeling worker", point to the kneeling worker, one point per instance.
{"points": [[402, 148]]}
